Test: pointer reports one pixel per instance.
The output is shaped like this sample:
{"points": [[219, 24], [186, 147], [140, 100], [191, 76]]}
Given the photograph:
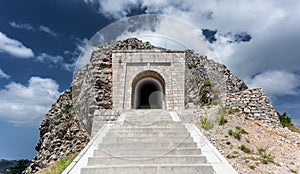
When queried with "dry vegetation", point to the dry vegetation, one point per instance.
{"points": [[250, 146]]}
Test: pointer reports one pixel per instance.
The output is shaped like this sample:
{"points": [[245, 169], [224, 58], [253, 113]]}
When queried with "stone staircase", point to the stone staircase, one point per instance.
{"points": [[147, 141]]}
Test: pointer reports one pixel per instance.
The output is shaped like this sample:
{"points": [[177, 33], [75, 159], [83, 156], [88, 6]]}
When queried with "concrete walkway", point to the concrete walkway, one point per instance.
{"points": [[149, 141]]}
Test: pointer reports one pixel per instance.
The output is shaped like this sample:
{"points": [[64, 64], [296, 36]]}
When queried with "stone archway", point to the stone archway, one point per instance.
{"points": [[148, 91]]}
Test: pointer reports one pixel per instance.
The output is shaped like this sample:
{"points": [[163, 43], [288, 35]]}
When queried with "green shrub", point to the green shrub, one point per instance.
{"points": [[215, 102], [265, 158], [241, 130], [206, 83], [222, 113], [206, 124], [66, 111], [230, 132], [251, 158], [238, 133], [222, 120], [244, 149], [203, 94], [229, 156], [252, 167], [285, 120]]}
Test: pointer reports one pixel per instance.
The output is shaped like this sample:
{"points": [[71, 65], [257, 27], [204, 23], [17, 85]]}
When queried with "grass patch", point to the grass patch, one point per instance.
{"points": [[252, 167], [222, 120], [59, 166], [206, 83], [222, 113], [206, 124], [251, 158], [215, 102], [234, 154], [245, 149], [237, 133], [231, 110], [262, 156], [265, 158]]}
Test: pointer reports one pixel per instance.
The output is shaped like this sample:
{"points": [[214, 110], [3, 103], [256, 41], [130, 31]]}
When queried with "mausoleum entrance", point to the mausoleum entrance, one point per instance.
{"points": [[148, 79], [148, 89]]}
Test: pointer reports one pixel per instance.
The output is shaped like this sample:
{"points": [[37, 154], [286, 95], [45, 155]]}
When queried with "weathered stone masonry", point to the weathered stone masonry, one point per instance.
{"points": [[253, 102]]}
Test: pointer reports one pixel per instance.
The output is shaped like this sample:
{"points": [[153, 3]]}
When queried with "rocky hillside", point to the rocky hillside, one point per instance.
{"points": [[250, 145], [66, 128], [61, 134]]}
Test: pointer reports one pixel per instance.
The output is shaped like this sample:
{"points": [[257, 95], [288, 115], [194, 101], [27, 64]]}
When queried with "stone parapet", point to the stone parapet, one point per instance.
{"points": [[103, 116], [253, 102]]}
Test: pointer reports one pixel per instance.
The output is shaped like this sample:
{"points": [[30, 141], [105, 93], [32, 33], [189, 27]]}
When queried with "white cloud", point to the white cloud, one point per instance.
{"points": [[14, 47], [22, 26], [29, 27], [272, 25], [3, 74], [26, 105], [49, 59], [271, 53], [47, 30], [181, 37], [55, 61], [277, 83]]}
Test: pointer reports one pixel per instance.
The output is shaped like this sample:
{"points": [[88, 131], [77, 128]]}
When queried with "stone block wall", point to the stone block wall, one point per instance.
{"points": [[253, 102], [103, 116], [126, 65]]}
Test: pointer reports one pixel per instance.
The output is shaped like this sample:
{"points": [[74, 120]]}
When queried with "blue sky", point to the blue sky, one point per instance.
{"points": [[41, 40]]}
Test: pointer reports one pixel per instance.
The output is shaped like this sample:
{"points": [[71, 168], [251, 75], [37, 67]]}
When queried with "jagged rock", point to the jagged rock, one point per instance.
{"points": [[54, 144]]}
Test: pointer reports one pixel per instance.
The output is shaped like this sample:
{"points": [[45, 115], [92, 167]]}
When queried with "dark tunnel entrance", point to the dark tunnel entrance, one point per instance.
{"points": [[148, 93]]}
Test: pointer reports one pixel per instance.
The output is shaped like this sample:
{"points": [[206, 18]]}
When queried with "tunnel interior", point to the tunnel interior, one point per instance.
{"points": [[148, 93]]}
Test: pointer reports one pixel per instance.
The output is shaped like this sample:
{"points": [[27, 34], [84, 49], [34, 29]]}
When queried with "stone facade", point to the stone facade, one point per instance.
{"points": [[127, 65]]}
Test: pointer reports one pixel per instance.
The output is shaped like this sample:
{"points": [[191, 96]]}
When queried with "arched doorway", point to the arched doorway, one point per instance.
{"points": [[148, 89]]}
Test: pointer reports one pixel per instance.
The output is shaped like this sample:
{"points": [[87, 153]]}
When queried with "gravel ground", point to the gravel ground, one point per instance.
{"points": [[261, 149]]}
